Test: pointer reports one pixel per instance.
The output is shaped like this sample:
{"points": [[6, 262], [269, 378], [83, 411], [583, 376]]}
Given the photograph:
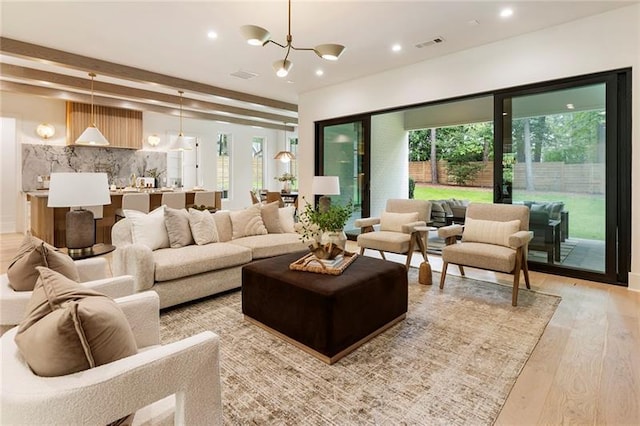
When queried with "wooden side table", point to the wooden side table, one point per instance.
{"points": [[421, 235]]}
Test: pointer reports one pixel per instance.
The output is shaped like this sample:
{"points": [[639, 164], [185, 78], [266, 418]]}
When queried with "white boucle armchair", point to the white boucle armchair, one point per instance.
{"points": [[94, 273], [185, 373]]}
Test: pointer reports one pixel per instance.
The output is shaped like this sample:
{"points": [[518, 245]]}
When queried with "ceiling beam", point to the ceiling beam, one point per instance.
{"points": [[70, 60], [9, 70], [7, 86]]}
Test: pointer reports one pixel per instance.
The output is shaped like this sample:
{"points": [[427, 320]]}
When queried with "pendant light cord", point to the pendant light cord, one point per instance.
{"points": [[181, 92], [93, 120]]}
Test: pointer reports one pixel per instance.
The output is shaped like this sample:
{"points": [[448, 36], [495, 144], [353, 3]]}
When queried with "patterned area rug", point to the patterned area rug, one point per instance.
{"points": [[453, 360]]}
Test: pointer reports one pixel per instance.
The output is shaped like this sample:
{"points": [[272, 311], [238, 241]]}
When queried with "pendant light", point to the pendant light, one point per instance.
{"points": [[92, 136], [181, 143], [285, 156]]}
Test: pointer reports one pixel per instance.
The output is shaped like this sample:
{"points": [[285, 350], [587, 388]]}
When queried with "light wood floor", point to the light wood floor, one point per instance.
{"points": [[586, 368]]}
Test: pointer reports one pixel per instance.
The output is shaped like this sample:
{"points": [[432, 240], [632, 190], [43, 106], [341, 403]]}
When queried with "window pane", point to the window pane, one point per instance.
{"points": [[257, 163], [223, 146]]}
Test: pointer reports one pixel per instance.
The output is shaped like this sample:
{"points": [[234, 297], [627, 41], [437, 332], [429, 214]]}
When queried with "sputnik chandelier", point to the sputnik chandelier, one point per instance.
{"points": [[258, 36]]}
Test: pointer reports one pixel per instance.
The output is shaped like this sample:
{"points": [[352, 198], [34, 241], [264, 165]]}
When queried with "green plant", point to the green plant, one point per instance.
{"points": [[286, 177], [463, 173], [412, 187], [314, 222]]}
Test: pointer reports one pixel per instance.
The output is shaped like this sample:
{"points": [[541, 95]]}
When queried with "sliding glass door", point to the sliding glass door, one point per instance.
{"points": [[343, 151], [559, 153]]}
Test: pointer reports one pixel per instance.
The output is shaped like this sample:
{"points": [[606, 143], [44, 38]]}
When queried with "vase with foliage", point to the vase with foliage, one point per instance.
{"points": [[287, 180], [323, 230]]}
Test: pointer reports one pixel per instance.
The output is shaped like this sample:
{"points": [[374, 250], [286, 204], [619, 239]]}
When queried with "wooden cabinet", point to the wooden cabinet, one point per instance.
{"points": [[121, 127]]}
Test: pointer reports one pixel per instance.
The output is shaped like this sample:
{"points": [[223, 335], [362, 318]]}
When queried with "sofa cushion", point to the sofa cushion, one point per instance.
{"points": [[489, 231], [271, 217], [177, 223], [390, 221], [223, 225], [148, 229], [247, 222], [287, 218], [70, 328], [34, 252], [480, 255], [394, 242], [203, 227], [172, 263], [272, 244]]}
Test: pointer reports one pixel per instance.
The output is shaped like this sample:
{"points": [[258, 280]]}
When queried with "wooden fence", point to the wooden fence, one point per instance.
{"points": [[553, 176]]}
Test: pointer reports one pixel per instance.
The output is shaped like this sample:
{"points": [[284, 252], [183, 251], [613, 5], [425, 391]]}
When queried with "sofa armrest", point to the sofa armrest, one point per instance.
{"points": [[95, 268], [367, 222], [135, 260], [450, 231], [519, 239]]}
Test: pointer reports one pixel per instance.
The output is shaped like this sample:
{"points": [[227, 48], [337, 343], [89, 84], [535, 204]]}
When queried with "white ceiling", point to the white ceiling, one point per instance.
{"points": [[171, 37]]}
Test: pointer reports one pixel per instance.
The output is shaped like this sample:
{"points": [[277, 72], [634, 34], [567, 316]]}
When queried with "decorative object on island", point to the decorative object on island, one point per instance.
{"points": [[45, 130], [258, 36], [79, 190], [92, 136], [325, 186], [182, 142], [323, 230], [287, 179], [153, 140]]}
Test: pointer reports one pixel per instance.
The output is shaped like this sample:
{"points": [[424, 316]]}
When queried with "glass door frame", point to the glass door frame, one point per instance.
{"points": [[365, 120], [617, 163]]}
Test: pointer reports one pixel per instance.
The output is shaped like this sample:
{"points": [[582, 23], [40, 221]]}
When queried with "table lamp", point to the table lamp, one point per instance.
{"points": [[78, 190], [325, 186]]}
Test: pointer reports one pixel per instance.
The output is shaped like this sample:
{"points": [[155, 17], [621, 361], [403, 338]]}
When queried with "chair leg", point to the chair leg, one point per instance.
{"points": [[382, 254], [461, 268], [516, 280], [443, 274], [361, 251], [525, 269]]}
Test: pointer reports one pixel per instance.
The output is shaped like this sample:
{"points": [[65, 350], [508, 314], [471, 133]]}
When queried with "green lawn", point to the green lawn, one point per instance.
{"points": [[586, 211]]}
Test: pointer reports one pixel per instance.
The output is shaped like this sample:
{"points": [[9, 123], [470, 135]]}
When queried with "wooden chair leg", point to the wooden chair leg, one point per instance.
{"points": [[382, 254], [361, 251], [516, 280], [461, 268], [525, 269], [410, 252], [443, 274]]}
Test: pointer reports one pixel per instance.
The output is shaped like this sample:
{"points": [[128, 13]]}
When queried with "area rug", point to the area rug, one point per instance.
{"points": [[453, 360]]}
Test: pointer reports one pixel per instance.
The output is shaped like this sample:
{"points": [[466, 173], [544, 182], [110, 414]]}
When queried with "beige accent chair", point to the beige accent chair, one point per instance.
{"points": [[94, 273], [175, 200], [493, 239], [397, 232], [140, 202], [183, 376]]}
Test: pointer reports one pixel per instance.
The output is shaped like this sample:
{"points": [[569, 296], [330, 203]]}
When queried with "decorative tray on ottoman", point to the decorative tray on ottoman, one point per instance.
{"points": [[310, 263]]}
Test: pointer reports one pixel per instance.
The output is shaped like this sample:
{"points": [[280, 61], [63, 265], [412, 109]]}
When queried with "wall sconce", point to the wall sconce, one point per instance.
{"points": [[153, 140], [45, 130]]}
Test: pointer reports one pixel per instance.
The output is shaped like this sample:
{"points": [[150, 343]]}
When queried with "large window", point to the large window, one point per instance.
{"points": [[223, 180], [257, 163], [293, 165]]}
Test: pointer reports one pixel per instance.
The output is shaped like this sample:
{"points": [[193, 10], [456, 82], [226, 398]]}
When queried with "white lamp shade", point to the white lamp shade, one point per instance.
{"points": [[282, 68], [78, 190], [181, 143], [330, 51], [285, 156], [325, 185], [255, 35], [92, 136]]}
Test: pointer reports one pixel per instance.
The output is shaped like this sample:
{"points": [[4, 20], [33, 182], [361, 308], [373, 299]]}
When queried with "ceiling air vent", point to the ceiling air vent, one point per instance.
{"points": [[435, 40], [245, 75]]}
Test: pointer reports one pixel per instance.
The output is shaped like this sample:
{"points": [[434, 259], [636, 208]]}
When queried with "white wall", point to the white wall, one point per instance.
{"points": [[598, 43], [8, 168]]}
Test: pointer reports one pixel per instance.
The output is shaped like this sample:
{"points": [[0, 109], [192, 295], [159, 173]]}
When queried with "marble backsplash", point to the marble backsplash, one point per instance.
{"points": [[119, 164]]}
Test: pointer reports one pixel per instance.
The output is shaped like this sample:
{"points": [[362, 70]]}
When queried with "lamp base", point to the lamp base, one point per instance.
{"points": [[81, 231]]}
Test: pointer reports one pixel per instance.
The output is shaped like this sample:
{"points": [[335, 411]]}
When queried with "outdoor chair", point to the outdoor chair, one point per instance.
{"points": [[494, 237]]}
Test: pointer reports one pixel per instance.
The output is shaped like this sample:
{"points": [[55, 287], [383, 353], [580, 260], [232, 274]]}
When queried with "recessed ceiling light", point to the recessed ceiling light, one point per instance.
{"points": [[319, 73], [212, 35], [505, 13], [571, 106], [396, 47]]}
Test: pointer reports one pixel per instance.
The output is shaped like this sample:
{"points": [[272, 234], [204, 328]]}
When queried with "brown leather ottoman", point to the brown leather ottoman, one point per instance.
{"points": [[326, 315]]}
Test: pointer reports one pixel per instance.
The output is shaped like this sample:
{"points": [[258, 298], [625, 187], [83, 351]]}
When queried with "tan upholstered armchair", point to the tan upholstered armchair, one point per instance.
{"points": [[397, 232], [494, 237]]}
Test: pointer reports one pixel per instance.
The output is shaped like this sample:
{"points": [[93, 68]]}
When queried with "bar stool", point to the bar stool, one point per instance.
{"points": [[275, 196], [205, 198], [136, 201], [175, 200]]}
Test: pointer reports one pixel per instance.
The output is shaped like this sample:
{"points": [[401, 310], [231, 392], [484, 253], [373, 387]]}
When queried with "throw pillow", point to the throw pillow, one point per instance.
{"points": [[287, 219], [489, 231], [247, 222], [34, 252], [446, 206], [177, 224], [223, 225], [148, 229], [69, 328], [271, 217], [203, 226], [390, 221]]}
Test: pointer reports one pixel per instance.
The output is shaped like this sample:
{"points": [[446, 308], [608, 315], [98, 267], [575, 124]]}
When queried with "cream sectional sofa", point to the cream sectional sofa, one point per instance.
{"points": [[191, 272]]}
